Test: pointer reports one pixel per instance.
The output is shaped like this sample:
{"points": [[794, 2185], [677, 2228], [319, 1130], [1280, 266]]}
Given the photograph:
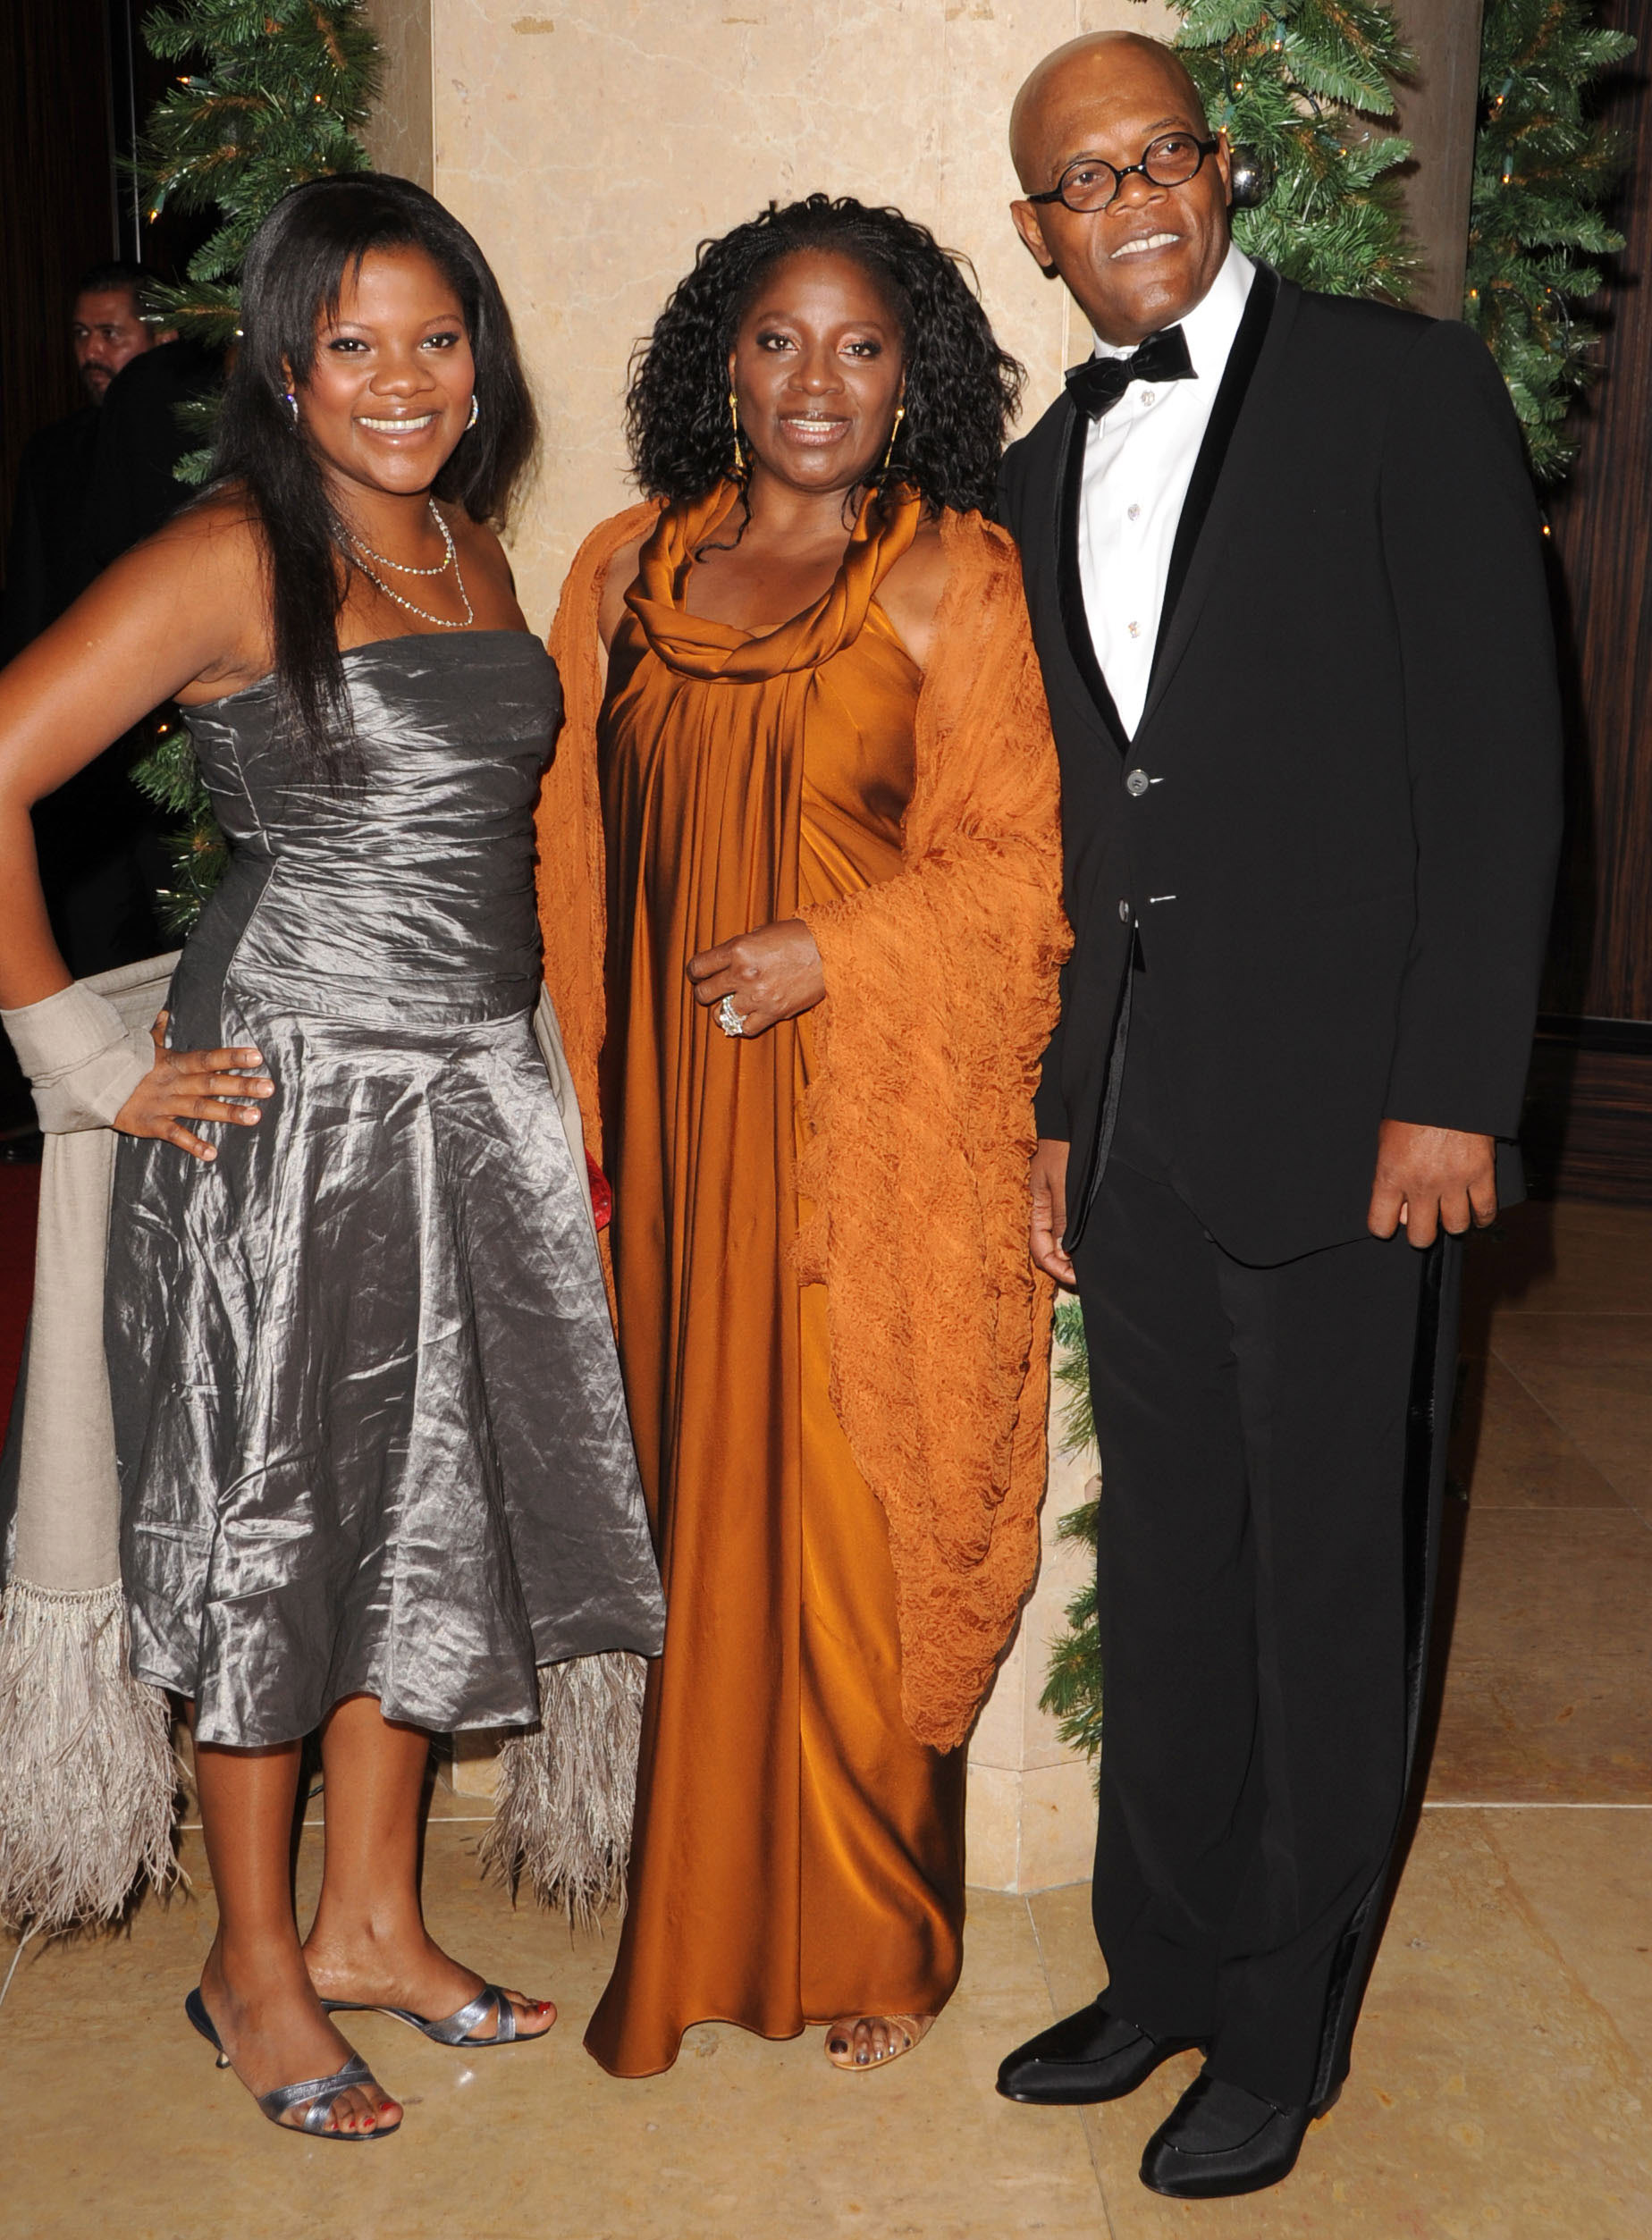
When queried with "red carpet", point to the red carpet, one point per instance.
{"points": [[20, 1187]]}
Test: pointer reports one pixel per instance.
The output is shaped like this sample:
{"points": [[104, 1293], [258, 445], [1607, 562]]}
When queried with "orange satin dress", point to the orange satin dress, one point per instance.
{"points": [[797, 1855]]}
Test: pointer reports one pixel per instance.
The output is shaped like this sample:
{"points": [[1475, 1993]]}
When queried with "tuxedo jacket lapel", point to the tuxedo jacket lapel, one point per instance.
{"points": [[1195, 555], [1069, 582], [1188, 580]]}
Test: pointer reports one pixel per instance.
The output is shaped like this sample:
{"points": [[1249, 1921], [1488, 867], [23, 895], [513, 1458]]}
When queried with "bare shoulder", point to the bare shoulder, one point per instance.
{"points": [[198, 586], [911, 594], [617, 577], [183, 616], [214, 545]]}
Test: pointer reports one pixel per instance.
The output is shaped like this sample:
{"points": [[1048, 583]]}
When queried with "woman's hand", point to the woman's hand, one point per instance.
{"points": [[771, 974], [193, 1085]]}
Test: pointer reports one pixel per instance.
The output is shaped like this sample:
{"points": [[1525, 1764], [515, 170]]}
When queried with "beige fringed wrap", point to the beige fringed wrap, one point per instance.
{"points": [[87, 1779], [88, 1782]]}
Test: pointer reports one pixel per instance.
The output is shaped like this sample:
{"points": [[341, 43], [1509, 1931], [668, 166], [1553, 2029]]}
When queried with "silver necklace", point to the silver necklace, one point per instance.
{"points": [[441, 621], [401, 567]]}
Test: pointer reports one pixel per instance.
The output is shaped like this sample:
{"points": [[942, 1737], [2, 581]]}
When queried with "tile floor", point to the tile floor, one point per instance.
{"points": [[1503, 2079]]}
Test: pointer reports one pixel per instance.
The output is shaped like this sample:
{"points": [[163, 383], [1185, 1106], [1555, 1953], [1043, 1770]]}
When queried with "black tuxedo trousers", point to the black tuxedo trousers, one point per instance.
{"points": [[1270, 1500]]}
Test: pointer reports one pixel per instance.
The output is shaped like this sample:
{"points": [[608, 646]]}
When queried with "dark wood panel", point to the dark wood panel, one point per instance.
{"points": [[1601, 965], [1588, 1122], [56, 205], [1436, 110]]}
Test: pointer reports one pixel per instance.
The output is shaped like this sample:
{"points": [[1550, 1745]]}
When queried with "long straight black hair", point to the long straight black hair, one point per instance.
{"points": [[293, 277]]}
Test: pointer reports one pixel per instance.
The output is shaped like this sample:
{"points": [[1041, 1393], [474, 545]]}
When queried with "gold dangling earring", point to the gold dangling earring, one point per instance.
{"points": [[739, 456], [900, 414]]}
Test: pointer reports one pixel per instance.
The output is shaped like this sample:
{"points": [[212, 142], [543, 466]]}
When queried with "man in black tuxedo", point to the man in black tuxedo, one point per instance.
{"points": [[1282, 557]]}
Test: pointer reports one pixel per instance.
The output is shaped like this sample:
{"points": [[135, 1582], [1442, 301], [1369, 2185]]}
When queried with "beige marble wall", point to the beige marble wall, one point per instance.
{"points": [[1031, 1807], [400, 134], [590, 147]]}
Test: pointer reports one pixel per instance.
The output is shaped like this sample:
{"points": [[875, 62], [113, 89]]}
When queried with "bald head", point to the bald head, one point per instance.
{"points": [[1071, 81], [1142, 255]]}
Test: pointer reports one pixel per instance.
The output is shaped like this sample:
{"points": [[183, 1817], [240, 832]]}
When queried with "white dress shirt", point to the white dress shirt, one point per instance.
{"points": [[1138, 461]]}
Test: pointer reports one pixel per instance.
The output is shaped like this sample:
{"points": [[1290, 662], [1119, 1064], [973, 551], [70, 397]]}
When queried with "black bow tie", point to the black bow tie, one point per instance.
{"points": [[1096, 386]]}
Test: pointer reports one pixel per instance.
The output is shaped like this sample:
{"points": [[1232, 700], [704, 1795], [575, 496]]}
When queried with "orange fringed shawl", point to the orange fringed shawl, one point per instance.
{"points": [[940, 995]]}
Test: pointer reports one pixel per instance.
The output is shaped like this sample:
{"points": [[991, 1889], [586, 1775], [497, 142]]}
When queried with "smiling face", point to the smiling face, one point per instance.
{"points": [[389, 391], [1151, 256], [816, 368], [106, 331]]}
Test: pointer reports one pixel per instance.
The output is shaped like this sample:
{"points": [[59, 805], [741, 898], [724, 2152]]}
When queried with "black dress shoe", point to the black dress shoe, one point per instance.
{"points": [[1218, 2139], [1090, 2057]]}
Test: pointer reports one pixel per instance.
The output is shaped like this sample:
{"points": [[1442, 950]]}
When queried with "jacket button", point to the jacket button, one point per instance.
{"points": [[1137, 783], [1124, 912]]}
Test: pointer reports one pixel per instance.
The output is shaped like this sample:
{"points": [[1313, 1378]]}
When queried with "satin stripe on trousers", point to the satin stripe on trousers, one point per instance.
{"points": [[1272, 1481]]}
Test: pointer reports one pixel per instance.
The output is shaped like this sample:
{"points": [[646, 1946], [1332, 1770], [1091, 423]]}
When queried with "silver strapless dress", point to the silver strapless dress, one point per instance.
{"points": [[368, 1414]]}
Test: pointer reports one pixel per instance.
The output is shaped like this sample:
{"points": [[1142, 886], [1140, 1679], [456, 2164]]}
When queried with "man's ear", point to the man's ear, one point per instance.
{"points": [[1224, 165], [1026, 218]]}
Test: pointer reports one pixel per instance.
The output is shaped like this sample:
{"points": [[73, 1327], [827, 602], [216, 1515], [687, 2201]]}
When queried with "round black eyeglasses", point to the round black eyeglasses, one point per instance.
{"points": [[1089, 185]]}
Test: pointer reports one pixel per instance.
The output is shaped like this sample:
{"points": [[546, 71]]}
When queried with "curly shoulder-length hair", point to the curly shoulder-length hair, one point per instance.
{"points": [[961, 391]]}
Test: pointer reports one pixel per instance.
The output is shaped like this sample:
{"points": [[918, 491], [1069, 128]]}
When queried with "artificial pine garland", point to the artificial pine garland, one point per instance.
{"points": [[285, 85], [1072, 1680], [280, 91], [1542, 173], [1304, 90]]}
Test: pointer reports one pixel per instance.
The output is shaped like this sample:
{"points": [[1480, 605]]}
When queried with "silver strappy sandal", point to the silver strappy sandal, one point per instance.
{"points": [[454, 2029], [320, 2091]]}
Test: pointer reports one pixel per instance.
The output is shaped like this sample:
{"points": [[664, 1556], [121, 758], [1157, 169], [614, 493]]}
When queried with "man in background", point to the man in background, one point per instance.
{"points": [[46, 563], [100, 858]]}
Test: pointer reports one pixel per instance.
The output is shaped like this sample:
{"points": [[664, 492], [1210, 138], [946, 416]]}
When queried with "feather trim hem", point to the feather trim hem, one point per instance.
{"points": [[89, 1785], [563, 1813]]}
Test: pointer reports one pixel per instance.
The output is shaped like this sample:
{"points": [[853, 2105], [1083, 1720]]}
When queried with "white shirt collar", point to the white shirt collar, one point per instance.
{"points": [[1210, 326]]}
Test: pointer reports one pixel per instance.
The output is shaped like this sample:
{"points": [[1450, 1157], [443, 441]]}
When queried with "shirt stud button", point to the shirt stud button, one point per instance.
{"points": [[1148, 395], [1134, 514], [1137, 783]]}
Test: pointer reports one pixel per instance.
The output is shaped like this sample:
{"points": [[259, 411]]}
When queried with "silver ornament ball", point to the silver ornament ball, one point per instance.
{"points": [[1252, 178]]}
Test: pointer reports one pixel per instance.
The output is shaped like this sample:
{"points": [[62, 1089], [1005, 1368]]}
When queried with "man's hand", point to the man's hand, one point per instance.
{"points": [[1048, 1221], [1431, 1178], [773, 973]]}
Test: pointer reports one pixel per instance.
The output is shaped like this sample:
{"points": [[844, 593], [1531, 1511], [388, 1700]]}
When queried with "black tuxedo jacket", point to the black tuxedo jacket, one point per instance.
{"points": [[1336, 828]]}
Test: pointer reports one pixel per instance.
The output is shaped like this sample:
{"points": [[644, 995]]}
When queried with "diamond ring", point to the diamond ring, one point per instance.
{"points": [[727, 1018]]}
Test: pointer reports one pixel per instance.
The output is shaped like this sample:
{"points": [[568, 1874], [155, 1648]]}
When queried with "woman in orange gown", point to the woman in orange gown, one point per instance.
{"points": [[808, 820]]}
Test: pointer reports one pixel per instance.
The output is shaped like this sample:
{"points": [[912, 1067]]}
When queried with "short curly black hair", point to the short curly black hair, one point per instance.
{"points": [[962, 389]]}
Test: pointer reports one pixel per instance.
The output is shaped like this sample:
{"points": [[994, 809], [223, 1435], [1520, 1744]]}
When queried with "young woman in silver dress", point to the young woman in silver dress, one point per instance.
{"points": [[372, 1446]]}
